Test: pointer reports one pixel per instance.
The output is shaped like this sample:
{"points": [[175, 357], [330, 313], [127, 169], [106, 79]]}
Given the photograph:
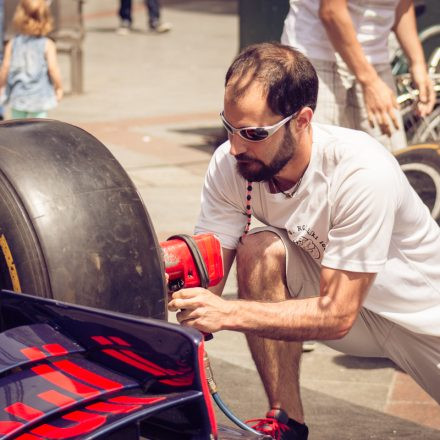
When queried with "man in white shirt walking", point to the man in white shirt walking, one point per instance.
{"points": [[347, 42]]}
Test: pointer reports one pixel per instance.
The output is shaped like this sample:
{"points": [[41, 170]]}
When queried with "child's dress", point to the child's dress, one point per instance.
{"points": [[28, 87]]}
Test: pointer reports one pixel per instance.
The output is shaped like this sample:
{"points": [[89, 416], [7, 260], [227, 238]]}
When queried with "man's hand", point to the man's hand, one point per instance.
{"points": [[405, 28], [423, 83], [381, 105], [201, 309]]}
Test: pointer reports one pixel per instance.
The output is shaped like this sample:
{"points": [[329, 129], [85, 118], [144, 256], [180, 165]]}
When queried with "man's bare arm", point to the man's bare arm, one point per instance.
{"points": [[405, 28], [328, 316], [380, 100], [4, 70], [54, 69]]}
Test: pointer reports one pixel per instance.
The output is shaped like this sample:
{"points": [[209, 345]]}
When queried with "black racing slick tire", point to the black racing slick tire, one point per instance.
{"points": [[72, 225], [421, 165]]}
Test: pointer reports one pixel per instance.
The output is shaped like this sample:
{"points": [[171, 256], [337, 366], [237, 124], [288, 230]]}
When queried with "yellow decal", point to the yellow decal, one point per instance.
{"points": [[10, 263]]}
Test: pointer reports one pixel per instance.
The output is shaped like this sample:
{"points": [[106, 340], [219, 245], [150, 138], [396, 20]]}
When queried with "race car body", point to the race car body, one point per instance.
{"points": [[74, 372]]}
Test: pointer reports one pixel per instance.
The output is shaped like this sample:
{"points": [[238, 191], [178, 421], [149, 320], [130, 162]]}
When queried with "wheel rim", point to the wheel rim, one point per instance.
{"points": [[431, 130], [426, 182]]}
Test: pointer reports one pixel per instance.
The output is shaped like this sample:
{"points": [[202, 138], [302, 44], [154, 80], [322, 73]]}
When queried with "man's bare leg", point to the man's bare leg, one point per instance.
{"points": [[261, 275]]}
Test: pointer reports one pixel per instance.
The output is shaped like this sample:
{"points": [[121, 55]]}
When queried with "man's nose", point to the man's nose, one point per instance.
{"points": [[238, 145]]}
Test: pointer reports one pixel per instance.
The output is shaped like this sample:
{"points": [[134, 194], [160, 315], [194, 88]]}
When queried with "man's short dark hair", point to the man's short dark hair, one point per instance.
{"points": [[287, 76]]}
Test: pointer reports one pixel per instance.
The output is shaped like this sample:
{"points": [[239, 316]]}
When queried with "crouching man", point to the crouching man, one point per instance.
{"points": [[350, 254]]}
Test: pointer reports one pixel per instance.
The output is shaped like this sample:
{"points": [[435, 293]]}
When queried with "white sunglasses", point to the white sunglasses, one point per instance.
{"points": [[255, 134]]}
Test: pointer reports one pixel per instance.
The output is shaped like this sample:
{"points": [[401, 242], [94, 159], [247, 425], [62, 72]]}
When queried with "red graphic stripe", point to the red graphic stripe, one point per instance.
{"points": [[56, 398], [181, 381], [102, 340], [28, 437], [85, 423], [154, 370], [122, 357], [33, 353], [23, 411], [113, 408], [55, 349], [181, 378], [9, 427], [61, 380], [88, 376], [119, 341], [130, 400], [159, 371]]}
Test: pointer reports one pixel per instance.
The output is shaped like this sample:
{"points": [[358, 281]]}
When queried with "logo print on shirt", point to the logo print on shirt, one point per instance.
{"points": [[307, 239], [308, 245]]}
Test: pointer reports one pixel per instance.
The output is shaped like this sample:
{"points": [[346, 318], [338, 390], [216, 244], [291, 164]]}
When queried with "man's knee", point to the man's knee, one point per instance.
{"points": [[261, 266], [261, 246]]}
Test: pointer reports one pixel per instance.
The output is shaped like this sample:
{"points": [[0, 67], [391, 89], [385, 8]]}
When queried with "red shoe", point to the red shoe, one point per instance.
{"points": [[278, 425]]}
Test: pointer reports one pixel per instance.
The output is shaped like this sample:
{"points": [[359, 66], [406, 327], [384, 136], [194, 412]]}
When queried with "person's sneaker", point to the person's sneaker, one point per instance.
{"points": [[124, 27], [161, 28], [308, 346], [278, 425]]}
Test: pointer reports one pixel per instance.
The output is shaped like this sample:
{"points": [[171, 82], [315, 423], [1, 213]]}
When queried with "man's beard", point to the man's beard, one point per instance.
{"points": [[254, 170]]}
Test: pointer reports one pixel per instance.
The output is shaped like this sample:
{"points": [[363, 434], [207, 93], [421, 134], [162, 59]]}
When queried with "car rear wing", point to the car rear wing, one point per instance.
{"points": [[74, 372]]}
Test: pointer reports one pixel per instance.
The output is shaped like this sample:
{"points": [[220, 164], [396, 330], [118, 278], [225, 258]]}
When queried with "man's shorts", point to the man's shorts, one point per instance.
{"points": [[341, 102], [371, 335]]}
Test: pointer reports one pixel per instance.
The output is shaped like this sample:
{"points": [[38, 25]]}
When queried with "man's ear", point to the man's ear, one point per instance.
{"points": [[304, 118]]}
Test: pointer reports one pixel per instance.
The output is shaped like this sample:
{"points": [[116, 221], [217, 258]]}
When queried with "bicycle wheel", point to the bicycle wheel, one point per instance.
{"points": [[428, 130], [434, 63], [419, 130], [410, 119], [72, 225], [421, 165], [430, 39]]}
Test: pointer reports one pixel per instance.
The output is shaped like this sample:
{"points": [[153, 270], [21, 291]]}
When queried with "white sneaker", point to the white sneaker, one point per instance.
{"points": [[162, 27], [308, 346], [124, 28]]}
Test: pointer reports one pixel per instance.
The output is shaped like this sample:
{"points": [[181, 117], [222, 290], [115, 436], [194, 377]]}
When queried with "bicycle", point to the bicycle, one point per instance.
{"points": [[418, 129], [421, 160]]}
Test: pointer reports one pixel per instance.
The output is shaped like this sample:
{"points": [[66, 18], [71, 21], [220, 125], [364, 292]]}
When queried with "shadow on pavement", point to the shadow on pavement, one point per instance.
{"points": [[112, 30], [212, 137], [224, 7], [363, 362], [328, 418]]}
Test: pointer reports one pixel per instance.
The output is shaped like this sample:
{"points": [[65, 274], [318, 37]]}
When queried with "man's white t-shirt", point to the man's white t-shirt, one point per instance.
{"points": [[372, 21], [354, 210]]}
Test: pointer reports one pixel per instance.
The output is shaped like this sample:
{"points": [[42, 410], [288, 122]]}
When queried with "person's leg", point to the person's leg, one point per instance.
{"points": [[125, 10], [261, 275], [153, 8], [18, 114], [40, 114], [125, 17], [375, 336], [154, 20], [418, 355], [331, 106], [365, 338]]}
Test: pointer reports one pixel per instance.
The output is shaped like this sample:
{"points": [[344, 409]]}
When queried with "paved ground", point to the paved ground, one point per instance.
{"points": [[153, 100]]}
